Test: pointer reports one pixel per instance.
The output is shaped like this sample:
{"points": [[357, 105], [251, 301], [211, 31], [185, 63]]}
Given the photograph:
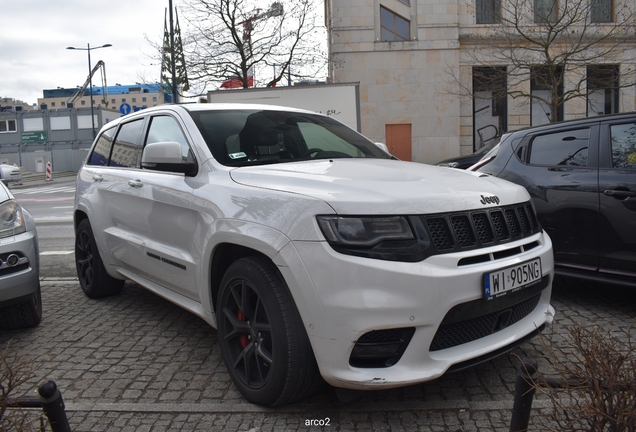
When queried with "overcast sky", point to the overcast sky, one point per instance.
{"points": [[35, 33]]}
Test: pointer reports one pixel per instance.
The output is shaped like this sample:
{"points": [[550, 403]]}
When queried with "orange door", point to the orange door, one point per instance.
{"points": [[398, 140]]}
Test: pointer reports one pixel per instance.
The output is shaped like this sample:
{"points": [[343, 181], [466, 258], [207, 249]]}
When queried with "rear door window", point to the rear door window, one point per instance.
{"points": [[623, 142], [563, 148]]}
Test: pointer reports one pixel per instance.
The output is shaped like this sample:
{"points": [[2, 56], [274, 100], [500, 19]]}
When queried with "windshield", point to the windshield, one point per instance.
{"points": [[254, 137]]}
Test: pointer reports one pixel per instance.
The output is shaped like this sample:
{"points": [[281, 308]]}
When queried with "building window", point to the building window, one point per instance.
{"points": [[394, 27], [543, 81], [487, 11], [143, 99], [601, 11], [113, 101], [545, 11], [490, 105], [602, 89], [123, 100], [52, 104], [134, 99], [154, 98], [83, 102], [7, 126]]}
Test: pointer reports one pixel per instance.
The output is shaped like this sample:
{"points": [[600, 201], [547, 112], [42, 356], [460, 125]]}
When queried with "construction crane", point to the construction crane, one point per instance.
{"points": [[81, 90], [275, 9]]}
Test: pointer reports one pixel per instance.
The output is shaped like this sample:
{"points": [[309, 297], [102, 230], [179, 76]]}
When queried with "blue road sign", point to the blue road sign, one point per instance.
{"points": [[124, 108]]}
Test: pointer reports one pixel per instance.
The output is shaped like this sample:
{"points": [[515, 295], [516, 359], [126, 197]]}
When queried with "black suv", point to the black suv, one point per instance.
{"points": [[581, 175]]}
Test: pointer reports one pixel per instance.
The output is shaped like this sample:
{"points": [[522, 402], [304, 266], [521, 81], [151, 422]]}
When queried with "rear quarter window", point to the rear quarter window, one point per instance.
{"points": [[563, 148], [101, 152]]}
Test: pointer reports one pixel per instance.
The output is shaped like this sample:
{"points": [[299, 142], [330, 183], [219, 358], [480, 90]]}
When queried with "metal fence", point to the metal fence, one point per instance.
{"points": [[63, 158]]}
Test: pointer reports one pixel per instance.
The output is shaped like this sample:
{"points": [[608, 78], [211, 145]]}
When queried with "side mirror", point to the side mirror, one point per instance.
{"points": [[166, 156]]}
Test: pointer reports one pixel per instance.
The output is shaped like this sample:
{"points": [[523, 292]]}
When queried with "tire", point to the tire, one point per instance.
{"points": [[263, 340], [25, 314], [93, 278]]}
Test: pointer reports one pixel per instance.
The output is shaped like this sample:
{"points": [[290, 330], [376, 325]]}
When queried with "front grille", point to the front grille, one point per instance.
{"points": [[491, 319], [470, 230]]}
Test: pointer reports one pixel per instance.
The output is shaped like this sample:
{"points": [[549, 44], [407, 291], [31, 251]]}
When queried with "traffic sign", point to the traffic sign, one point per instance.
{"points": [[124, 108], [35, 137]]}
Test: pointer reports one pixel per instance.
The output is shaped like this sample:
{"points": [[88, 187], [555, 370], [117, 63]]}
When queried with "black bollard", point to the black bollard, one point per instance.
{"points": [[53, 406], [524, 393]]}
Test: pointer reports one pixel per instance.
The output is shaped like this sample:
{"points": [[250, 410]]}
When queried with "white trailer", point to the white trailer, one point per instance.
{"points": [[342, 101]]}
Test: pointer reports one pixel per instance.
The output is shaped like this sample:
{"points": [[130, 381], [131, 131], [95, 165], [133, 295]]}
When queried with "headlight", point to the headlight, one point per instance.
{"points": [[11, 219], [364, 231], [390, 238]]}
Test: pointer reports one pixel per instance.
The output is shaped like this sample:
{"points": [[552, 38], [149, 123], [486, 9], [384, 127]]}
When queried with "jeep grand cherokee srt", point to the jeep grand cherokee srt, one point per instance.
{"points": [[315, 254]]}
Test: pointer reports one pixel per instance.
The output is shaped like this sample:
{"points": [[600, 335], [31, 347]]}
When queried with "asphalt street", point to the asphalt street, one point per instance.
{"points": [[136, 362]]}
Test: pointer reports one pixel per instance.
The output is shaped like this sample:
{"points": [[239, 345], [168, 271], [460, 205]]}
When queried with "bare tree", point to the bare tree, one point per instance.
{"points": [[547, 41], [239, 42]]}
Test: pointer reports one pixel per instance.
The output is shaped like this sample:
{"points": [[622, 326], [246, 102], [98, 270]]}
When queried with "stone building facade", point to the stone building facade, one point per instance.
{"points": [[416, 62]]}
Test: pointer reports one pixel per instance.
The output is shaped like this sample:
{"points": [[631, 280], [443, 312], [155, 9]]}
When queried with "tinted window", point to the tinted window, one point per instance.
{"points": [[247, 137], [101, 152], [567, 148], [127, 148], [166, 128], [623, 139]]}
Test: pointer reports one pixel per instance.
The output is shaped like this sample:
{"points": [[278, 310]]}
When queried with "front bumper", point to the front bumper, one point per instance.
{"points": [[342, 297], [21, 279]]}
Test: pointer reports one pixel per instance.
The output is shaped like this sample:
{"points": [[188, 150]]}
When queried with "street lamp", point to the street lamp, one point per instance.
{"points": [[90, 76]]}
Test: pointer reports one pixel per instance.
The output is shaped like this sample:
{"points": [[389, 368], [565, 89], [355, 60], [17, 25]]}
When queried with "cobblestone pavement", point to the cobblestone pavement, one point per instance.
{"points": [[135, 362]]}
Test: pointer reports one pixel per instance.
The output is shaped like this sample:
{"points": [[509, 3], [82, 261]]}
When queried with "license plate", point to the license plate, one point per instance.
{"points": [[512, 278]]}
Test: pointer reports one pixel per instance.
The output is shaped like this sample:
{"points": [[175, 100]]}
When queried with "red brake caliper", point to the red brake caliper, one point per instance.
{"points": [[242, 339]]}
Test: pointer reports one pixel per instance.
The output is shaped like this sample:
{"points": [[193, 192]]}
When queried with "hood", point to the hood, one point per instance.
{"points": [[381, 186]]}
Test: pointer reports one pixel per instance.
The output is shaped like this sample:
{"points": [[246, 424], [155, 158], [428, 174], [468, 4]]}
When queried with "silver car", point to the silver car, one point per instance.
{"points": [[20, 297], [10, 173]]}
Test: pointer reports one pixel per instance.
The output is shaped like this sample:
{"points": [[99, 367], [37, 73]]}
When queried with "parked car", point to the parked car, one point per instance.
{"points": [[10, 173], [582, 178], [313, 252], [465, 161], [20, 297]]}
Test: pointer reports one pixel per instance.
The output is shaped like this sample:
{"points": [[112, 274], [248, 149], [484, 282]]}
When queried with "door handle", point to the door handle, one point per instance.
{"points": [[98, 178], [620, 193], [135, 183]]}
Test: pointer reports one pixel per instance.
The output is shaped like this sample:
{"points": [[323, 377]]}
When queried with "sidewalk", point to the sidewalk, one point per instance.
{"points": [[136, 362]]}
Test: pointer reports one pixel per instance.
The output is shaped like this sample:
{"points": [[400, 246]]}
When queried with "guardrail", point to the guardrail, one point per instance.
{"points": [[50, 401]]}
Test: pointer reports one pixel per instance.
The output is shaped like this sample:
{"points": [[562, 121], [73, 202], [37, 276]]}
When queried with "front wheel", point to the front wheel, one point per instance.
{"points": [[24, 314], [92, 275], [265, 346]]}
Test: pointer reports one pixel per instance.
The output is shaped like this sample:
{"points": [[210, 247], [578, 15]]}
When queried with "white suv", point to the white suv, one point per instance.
{"points": [[312, 251]]}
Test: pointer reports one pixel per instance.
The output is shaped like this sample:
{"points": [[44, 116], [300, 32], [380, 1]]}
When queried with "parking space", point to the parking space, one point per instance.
{"points": [[137, 362]]}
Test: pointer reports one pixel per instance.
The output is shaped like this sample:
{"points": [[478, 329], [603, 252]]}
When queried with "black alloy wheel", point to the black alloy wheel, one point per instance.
{"points": [[265, 346], [92, 275]]}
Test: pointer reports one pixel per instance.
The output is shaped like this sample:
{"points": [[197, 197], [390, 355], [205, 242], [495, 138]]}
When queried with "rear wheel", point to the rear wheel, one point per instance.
{"points": [[264, 343], [25, 314], [92, 275]]}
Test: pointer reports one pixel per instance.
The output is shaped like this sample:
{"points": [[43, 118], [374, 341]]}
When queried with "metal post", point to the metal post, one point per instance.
{"points": [[90, 82], [53, 406], [524, 393]]}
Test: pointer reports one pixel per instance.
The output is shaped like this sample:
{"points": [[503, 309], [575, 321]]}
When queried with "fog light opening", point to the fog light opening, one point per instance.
{"points": [[380, 348], [13, 260]]}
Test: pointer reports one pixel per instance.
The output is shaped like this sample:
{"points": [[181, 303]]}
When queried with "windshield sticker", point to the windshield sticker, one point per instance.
{"points": [[238, 155]]}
